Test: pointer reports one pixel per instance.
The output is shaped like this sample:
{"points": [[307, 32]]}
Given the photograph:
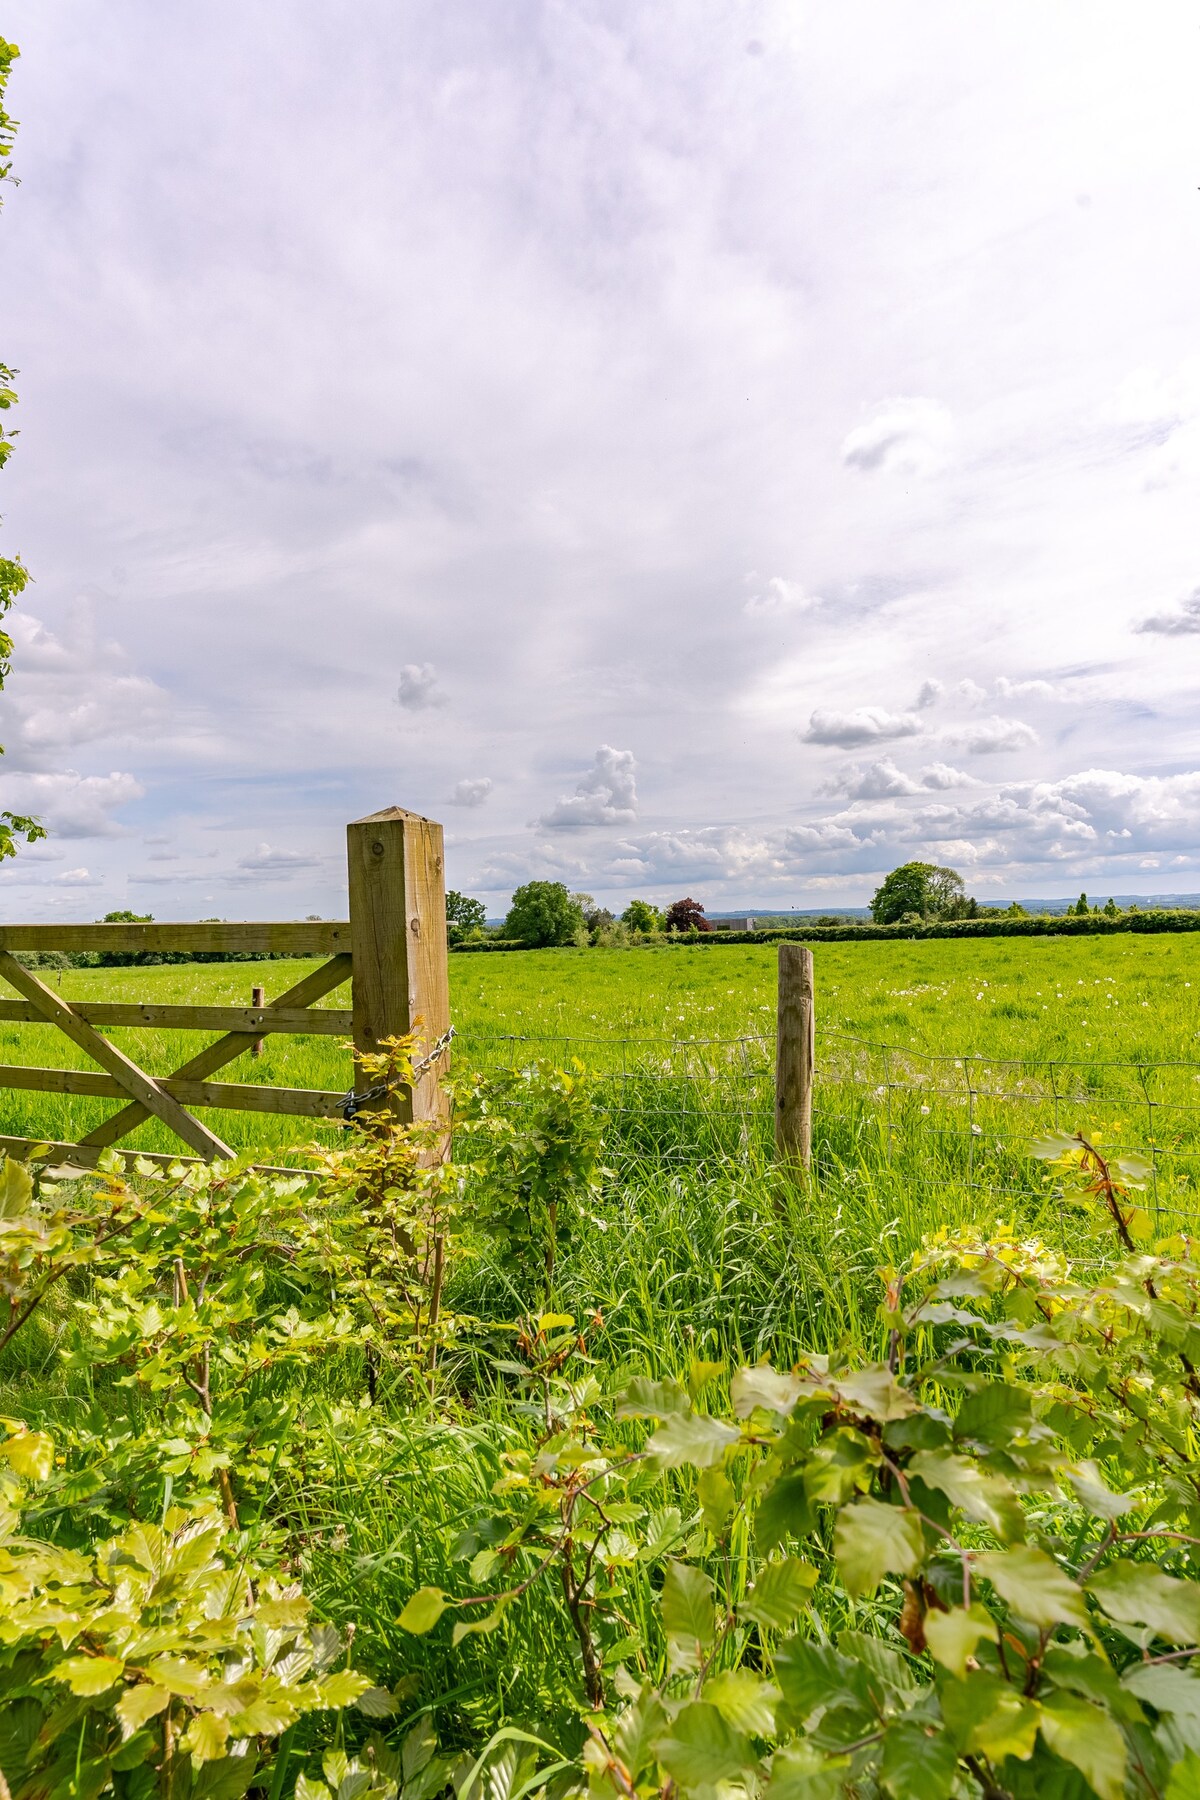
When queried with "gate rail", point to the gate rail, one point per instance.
{"points": [[392, 950]]}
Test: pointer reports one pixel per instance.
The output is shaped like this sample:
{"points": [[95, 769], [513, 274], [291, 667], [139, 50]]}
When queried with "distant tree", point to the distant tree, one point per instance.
{"points": [[640, 915], [829, 919], [543, 913], [595, 917], [1014, 910], [1081, 908], [464, 917], [923, 891], [686, 915], [1111, 908], [127, 918]]}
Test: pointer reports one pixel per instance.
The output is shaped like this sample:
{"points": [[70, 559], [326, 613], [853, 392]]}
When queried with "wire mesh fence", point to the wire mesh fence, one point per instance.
{"points": [[973, 1119]]}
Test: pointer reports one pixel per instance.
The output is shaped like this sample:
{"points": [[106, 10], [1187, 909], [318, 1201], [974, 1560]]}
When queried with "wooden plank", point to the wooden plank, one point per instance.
{"points": [[320, 1021], [794, 1055], [304, 993], [134, 1080], [231, 1096], [86, 1156], [290, 937], [395, 861]]}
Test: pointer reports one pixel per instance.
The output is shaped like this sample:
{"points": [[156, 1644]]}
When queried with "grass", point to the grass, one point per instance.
{"points": [[963, 1022], [697, 1246]]}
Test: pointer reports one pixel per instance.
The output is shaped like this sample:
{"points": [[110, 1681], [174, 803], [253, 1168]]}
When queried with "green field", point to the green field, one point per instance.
{"points": [[1104, 1023], [937, 1063]]}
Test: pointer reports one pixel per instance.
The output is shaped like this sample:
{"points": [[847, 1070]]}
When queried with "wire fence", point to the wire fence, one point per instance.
{"points": [[972, 1119]]}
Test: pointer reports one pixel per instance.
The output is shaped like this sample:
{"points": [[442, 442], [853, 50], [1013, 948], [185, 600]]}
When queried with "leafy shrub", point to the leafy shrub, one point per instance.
{"points": [[966, 1567]]}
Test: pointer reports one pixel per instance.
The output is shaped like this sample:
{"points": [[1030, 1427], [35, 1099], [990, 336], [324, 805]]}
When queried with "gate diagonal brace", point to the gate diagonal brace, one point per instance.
{"points": [[224, 1050], [145, 1090]]}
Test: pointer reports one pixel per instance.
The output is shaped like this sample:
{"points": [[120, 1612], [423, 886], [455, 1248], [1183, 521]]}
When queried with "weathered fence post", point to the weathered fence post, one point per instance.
{"points": [[400, 979], [794, 1053], [258, 999]]}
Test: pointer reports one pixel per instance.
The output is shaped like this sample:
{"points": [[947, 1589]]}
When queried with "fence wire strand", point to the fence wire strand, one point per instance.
{"points": [[978, 1116]]}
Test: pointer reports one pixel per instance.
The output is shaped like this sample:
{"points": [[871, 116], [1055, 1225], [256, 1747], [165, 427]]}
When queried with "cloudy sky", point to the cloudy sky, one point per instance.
{"points": [[713, 447]]}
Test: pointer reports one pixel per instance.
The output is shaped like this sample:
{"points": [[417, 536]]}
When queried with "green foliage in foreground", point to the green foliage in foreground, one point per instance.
{"points": [[965, 1567], [942, 1545]]}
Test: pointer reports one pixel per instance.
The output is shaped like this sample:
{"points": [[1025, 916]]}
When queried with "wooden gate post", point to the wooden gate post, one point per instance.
{"points": [[400, 980], [794, 1054]]}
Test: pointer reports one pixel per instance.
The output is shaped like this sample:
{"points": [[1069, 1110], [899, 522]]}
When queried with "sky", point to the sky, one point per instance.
{"points": [[725, 448]]}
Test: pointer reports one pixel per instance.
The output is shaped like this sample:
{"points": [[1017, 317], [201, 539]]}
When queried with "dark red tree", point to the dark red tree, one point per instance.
{"points": [[686, 915]]}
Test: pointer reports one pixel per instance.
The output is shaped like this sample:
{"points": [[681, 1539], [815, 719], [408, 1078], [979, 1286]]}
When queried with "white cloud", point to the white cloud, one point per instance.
{"points": [[864, 725], [606, 795], [76, 878], [1180, 621], [929, 694], [942, 775], [1027, 690], [971, 692], [267, 863], [777, 598], [871, 781], [904, 437], [418, 687], [992, 736], [472, 791], [68, 804]]}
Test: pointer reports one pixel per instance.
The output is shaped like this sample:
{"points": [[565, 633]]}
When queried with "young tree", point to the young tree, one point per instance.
{"points": [[686, 915], [464, 916], [13, 573], [1111, 908], [543, 913], [640, 915]]}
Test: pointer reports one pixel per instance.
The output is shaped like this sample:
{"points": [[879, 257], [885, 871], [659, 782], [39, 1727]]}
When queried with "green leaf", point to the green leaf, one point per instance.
{"points": [[689, 1614], [691, 1439], [717, 1499], [700, 1373], [1184, 1783], [875, 1392], [955, 1635], [840, 1464], [1169, 1690], [137, 1704], [308, 1789], [16, 1189], [814, 1674], [1034, 1586], [744, 1699], [985, 1498], [919, 1761], [781, 1590], [1092, 1491], [783, 1511], [994, 1414], [774, 1391], [178, 1675], [1085, 1736], [636, 1730], [31, 1454], [1135, 1593], [477, 1627], [422, 1611], [343, 1688], [89, 1674], [206, 1738], [376, 1703], [987, 1717], [700, 1748], [871, 1540], [801, 1773], [648, 1399]]}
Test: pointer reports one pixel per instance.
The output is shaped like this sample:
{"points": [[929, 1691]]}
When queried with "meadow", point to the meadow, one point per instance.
{"points": [[937, 1063], [1107, 1023]]}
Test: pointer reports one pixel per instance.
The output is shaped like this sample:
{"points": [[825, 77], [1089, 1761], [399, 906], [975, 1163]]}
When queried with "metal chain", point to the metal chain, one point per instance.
{"points": [[354, 1103]]}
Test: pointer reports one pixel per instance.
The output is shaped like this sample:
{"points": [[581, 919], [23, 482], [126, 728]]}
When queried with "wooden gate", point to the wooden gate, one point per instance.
{"points": [[392, 949]]}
